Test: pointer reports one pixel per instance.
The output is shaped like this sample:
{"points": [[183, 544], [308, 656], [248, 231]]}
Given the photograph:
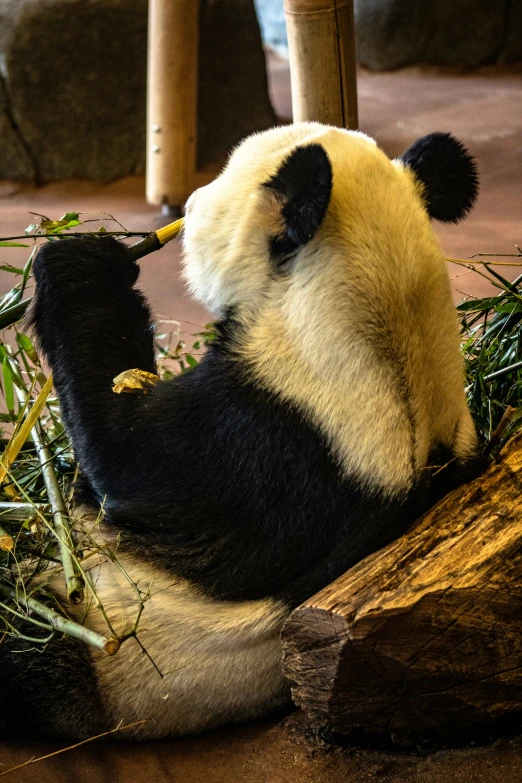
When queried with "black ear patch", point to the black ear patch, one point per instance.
{"points": [[448, 173], [303, 184]]}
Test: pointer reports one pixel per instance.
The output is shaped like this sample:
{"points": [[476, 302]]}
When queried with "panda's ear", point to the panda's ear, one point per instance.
{"points": [[448, 175], [302, 186]]}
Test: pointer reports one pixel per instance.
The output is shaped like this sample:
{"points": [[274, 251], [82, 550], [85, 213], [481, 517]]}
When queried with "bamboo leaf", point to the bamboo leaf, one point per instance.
{"points": [[8, 385], [12, 244], [27, 271], [26, 345], [20, 436]]}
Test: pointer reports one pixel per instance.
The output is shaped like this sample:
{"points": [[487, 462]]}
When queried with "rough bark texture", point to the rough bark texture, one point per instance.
{"points": [[424, 637]]}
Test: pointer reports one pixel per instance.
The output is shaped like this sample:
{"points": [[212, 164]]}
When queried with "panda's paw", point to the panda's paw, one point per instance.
{"points": [[90, 260]]}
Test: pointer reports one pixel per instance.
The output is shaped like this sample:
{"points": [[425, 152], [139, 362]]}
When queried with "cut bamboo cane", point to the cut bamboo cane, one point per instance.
{"points": [[58, 622], [24, 510], [73, 579], [172, 100], [321, 46]]}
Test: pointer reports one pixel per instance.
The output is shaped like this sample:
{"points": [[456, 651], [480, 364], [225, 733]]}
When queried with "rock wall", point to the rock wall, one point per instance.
{"points": [[395, 33], [73, 85]]}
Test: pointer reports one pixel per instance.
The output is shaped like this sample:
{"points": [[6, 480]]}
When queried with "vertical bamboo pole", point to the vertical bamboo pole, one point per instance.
{"points": [[172, 101], [321, 44]]}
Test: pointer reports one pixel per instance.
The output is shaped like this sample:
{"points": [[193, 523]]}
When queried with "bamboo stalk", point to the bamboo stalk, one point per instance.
{"points": [[321, 48], [150, 243], [73, 579], [23, 510], [58, 622]]}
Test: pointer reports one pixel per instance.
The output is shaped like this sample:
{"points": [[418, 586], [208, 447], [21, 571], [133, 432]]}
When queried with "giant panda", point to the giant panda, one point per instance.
{"points": [[328, 414]]}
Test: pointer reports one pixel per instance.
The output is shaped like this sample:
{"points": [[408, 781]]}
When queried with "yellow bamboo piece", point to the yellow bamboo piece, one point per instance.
{"points": [[169, 232], [21, 434], [321, 48]]}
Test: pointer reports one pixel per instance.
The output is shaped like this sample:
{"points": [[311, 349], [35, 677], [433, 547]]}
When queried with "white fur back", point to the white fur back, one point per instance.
{"points": [[361, 335]]}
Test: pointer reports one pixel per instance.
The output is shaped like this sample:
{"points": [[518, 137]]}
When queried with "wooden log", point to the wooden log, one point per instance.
{"points": [[172, 84], [424, 637], [321, 48]]}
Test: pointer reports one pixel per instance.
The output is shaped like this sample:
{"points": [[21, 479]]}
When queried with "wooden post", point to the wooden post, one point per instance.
{"points": [[424, 637], [321, 44], [172, 101]]}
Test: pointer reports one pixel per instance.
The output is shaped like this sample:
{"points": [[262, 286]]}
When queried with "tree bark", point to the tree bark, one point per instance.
{"points": [[424, 637]]}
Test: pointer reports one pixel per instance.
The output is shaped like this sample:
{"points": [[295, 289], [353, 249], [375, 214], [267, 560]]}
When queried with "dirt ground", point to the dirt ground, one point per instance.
{"points": [[268, 752], [484, 110]]}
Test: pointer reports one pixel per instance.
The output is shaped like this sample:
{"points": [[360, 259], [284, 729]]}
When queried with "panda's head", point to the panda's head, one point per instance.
{"points": [[292, 195]]}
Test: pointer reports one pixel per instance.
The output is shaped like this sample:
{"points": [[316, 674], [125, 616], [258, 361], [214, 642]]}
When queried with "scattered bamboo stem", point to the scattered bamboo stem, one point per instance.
{"points": [[503, 371], [78, 234], [73, 578], [59, 623], [470, 261], [33, 760], [151, 241], [6, 541], [23, 510]]}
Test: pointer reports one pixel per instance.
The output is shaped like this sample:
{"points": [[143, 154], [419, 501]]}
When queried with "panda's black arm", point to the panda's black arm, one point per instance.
{"points": [[92, 325]]}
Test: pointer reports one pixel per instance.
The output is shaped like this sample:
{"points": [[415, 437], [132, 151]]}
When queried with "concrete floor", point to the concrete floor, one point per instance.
{"points": [[484, 110]]}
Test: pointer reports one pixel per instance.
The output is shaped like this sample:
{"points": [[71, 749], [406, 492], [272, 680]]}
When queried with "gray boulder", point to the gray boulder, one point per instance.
{"points": [[511, 50], [15, 157], [395, 33], [74, 79]]}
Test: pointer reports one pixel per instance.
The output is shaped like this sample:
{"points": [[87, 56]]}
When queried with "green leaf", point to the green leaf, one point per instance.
{"points": [[66, 227], [70, 216], [27, 272], [12, 244], [190, 360], [25, 344], [57, 226], [509, 307], [8, 386], [13, 269], [478, 304]]}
